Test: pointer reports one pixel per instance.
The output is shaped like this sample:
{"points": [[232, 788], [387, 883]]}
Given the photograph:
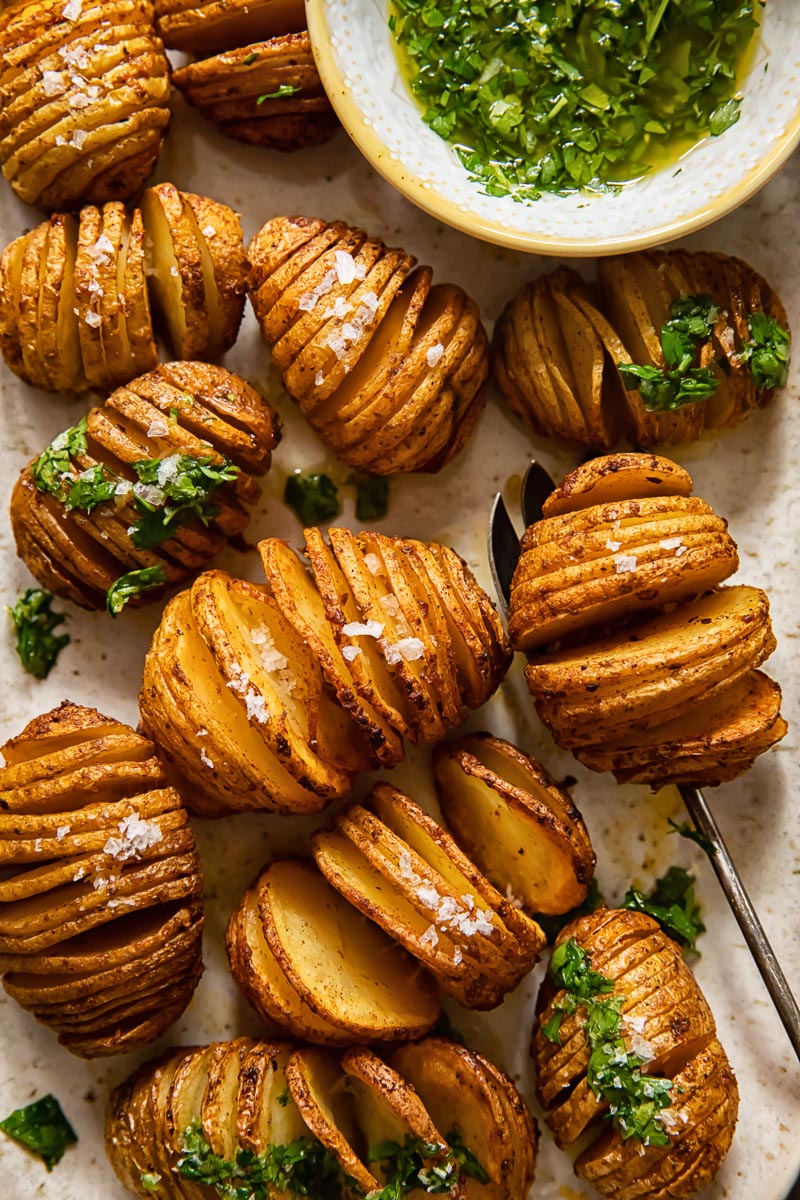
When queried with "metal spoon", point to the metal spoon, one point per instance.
{"points": [[504, 550]]}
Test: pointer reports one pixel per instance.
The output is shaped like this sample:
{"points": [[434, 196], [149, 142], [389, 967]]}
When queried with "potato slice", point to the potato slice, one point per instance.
{"points": [[218, 232], [174, 265], [538, 852], [316, 1083], [205, 26], [218, 1111], [328, 952], [263, 1118], [617, 477]]}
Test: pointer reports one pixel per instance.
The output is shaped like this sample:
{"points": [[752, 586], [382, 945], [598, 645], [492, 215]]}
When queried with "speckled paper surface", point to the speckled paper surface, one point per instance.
{"points": [[749, 476]]}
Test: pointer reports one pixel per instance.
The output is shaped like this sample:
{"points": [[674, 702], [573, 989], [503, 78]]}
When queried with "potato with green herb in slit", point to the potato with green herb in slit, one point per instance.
{"points": [[101, 911]]}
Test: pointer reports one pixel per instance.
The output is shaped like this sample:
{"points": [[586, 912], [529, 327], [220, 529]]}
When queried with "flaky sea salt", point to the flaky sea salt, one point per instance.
{"points": [[346, 268], [335, 342], [136, 836], [613, 545], [373, 564], [256, 707], [372, 629], [79, 136], [62, 832], [205, 759], [458, 957], [309, 300], [271, 657], [157, 428], [72, 10], [430, 937], [149, 494], [53, 83], [409, 649], [209, 231], [625, 563], [93, 319], [319, 379], [434, 354], [350, 652]]}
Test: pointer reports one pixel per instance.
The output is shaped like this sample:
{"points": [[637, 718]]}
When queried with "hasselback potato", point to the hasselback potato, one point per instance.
{"points": [[634, 664], [624, 1031], [386, 368], [666, 345], [82, 298], [84, 99], [354, 1123], [296, 686], [146, 488], [101, 909], [254, 75]]}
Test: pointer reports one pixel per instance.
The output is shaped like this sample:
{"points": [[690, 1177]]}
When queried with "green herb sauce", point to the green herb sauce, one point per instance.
{"points": [[568, 95]]}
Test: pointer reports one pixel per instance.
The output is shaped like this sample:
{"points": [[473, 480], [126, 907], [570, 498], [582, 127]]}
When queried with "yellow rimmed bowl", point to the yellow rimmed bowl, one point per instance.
{"points": [[356, 57]]}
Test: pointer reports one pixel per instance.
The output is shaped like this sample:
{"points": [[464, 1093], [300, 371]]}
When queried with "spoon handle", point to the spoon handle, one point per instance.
{"points": [[742, 908]]}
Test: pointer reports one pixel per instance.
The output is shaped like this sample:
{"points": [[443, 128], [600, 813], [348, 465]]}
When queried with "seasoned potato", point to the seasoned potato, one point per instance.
{"points": [[399, 868], [91, 833], [387, 369], [84, 93], [559, 343], [206, 26], [667, 1025], [514, 822], [322, 971], [179, 417], [673, 696], [76, 294]]}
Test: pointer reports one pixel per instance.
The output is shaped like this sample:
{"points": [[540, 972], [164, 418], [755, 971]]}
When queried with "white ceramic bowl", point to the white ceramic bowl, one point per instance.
{"points": [[355, 55]]}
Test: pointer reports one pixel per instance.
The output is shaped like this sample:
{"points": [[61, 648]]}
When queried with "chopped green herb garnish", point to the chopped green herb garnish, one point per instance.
{"points": [[672, 904], [150, 1181], [767, 351], [34, 621], [89, 489], [693, 835], [552, 925], [613, 1072], [314, 497], [127, 586], [467, 1162], [42, 1128], [689, 326], [372, 496], [251, 58], [286, 89], [302, 1168], [423, 1166], [284, 1097], [52, 470], [562, 95], [173, 491]]}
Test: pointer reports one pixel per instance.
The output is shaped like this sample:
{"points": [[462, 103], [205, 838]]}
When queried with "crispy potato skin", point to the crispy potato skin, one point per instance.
{"points": [[662, 1007], [84, 101], [85, 804], [559, 342], [388, 369], [82, 298], [236, 1093], [79, 555], [638, 661]]}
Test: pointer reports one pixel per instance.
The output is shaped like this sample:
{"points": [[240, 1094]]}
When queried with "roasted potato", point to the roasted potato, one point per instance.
{"points": [[337, 1111], [181, 416], [667, 1025], [76, 294], [84, 100], [670, 697], [514, 822], [317, 969], [386, 369], [207, 26], [399, 868], [101, 909], [560, 342]]}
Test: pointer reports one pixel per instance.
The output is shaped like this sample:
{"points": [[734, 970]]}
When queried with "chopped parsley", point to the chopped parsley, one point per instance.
{"points": [[767, 351], [552, 925], [42, 1128], [613, 1072], [286, 89], [689, 325], [562, 95], [173, 491], [694, 835], [52, 470], [314, 497], [372, 496], [131, 584], [284, 1097], [303, 1168], [34, 621], [150, 1181], [672, 904], [424, 1166], [251, 58]]}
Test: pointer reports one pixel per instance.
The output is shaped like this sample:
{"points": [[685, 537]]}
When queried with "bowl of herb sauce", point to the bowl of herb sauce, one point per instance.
{"points": [[570, 126]]}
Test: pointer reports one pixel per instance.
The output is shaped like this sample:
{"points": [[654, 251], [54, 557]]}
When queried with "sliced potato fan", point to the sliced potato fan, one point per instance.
{"points": [[668, 1028], [387, 369], [101, 909], [560, 343], [81, 298], [179, 418], [206, 26], [343, 1117], [84, 100]]}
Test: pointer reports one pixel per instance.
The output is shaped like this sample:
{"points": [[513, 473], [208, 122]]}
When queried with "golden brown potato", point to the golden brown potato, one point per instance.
{"points": [[514, 822], [399, 868], [76, 294], [559, 343], [73, 508], [84, 92], [261, 1097], [387, 369], [90, 833], [667, 1027], [207, 26], [266, 93], [316, 968], [654, 698]]}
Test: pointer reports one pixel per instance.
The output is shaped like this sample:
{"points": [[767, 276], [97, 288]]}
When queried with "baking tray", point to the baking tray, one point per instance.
{"points": [[750, 475]]}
